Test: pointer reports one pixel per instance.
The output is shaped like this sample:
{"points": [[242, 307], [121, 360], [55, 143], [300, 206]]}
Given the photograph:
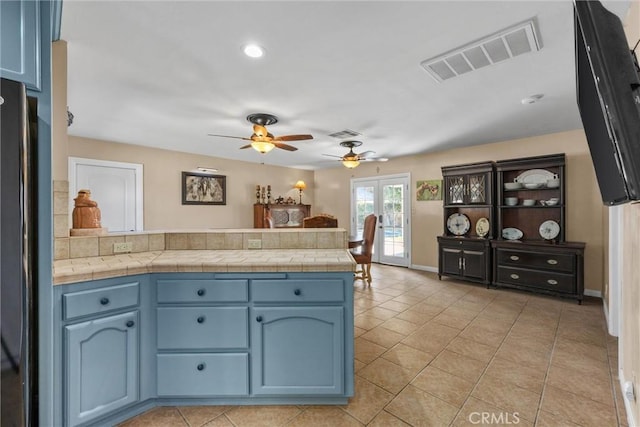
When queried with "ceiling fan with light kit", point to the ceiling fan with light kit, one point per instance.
{"points": [[264, 141], [352, 159]]}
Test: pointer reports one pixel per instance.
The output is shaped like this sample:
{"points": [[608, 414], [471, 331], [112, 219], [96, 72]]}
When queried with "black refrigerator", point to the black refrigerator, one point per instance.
{"points": [[18, 305]]}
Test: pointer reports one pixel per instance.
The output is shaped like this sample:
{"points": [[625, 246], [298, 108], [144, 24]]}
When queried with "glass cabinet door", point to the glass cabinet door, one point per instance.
{"points": [[477, 189], [455, 189]]}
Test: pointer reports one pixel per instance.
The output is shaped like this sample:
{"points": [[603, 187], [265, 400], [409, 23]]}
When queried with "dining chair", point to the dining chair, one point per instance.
{"points": [[361, 250]]}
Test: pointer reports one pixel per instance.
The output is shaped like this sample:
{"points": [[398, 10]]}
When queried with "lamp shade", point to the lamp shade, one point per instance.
{"points": [[300, 185], [262, 146]]}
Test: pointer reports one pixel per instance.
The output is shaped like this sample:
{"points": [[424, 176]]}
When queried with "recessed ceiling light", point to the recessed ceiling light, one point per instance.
{"points": [[532, 99], [253, 50]]}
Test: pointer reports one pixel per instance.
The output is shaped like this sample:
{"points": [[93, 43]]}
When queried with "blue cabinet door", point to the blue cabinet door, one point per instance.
{"points": [[20, 42], [297, 351], [101, 371]]}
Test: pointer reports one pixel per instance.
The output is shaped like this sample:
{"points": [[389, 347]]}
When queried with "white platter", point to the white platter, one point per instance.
{"points": [[549, 230], [535, 176], [511, 233]]}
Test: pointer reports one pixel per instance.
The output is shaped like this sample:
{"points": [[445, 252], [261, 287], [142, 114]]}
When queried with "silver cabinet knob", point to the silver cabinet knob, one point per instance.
{"points": [[552, 261], [515, 276], [514, 257]]}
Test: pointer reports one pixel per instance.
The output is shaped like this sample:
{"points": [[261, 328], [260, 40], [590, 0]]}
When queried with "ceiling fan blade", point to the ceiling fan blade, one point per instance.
{"points": [[245, 146], [374, 159], [227, 136], [331, 155], [284, 146], [292, 137], [366, 154]]}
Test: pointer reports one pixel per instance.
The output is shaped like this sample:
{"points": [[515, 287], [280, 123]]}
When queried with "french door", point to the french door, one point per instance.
{"points": [[388, 198]]}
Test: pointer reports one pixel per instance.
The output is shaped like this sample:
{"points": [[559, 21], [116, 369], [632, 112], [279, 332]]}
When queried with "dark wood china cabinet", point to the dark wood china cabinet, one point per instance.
{"points": [[531, 252], [464, 251], [505, 225]]}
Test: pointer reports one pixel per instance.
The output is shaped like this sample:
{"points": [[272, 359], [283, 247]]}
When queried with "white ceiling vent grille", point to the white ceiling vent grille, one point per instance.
{"points": [[505, 44], [347, 133]]}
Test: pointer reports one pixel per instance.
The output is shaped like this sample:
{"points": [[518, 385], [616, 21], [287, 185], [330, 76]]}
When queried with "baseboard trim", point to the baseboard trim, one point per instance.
{"points": [[627, 405], [424, 268], [592, 293]]}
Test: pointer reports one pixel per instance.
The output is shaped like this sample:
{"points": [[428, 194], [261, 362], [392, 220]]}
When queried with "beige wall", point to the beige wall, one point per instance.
{"points": [[162, 190], [584, 211], [59, 110], [629, 338]]}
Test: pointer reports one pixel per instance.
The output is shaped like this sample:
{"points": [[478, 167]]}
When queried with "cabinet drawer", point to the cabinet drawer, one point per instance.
{"points": [[77, 304], [170, 291], [537, 279], [318, 290], [547, 261], [198, 375], [202, 327]]}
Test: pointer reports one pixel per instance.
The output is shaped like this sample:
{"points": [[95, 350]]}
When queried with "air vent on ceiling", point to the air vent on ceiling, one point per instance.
{"points": [[505, 44], [347, 133]]}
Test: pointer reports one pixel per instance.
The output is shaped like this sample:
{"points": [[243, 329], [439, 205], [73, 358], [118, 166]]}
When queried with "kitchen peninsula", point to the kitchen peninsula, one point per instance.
{"points": [[202, 320]]}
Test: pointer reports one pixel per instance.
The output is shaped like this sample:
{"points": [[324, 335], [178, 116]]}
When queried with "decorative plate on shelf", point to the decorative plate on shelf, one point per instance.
{"points": [[511, 233], [549, 230], [537, 176], [482, 227], [458, 224]]}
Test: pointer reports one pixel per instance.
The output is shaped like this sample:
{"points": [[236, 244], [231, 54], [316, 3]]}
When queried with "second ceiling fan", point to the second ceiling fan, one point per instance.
{"points": [[352, 159], [264, 141]]}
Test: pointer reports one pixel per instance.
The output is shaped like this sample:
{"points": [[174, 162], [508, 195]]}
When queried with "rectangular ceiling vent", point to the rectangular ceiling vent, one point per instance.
{"points": [[347, 133], [505, 44]]}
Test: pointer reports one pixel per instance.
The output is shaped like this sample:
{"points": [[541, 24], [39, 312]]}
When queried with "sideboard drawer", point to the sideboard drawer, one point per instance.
{"points": [[202, 327], [537, 279], [199, 375], [181, 291], [313, 290], [83, 303], [547, 261]]}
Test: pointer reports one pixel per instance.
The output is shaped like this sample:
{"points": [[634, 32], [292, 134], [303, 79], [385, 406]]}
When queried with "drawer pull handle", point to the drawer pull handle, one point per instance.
{"points": [[200, 367], [515, 276], [201, 292], [104, 300], [200, 319], [552, 261], [297, 292], [130, 323], [552, 282], [259, 319], [514, 257]]}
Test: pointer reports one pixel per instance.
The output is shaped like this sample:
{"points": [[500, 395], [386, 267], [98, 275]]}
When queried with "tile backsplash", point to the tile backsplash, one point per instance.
{"points": [[80, 247], [66, 247]]}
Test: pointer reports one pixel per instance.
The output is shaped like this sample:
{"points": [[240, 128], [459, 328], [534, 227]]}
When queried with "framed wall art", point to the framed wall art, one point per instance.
{"points": [[429, 190], [203, 189]]}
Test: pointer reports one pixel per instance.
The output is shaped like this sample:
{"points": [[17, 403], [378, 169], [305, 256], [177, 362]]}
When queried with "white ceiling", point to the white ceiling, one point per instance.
{"points": [[165, 74]]}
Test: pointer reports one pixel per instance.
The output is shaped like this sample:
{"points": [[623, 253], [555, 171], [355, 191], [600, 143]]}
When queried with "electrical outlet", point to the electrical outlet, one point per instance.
{"points": [[254, 244], [122, 247]]}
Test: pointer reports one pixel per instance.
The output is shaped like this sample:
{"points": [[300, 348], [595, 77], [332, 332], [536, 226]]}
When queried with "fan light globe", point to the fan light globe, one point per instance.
{"points": [[262, 146], [350, 163]]}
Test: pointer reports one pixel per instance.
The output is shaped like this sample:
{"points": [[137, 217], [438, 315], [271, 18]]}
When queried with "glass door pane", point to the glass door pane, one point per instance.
{"points": [[388, 199]]}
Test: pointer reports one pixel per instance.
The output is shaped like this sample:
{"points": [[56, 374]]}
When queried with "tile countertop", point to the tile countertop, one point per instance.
{"points": [[276, 260]]}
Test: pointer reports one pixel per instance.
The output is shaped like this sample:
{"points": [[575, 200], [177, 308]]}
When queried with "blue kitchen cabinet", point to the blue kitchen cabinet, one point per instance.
{"points": [[20, 42], [101, 366], [297, 351]]}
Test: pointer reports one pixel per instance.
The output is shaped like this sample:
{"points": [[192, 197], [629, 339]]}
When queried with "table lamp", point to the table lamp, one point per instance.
{"points": [[300, 185]]}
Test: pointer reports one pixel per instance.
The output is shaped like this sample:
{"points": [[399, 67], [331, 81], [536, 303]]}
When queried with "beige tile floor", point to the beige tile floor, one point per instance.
{"points": [[439, 353]]}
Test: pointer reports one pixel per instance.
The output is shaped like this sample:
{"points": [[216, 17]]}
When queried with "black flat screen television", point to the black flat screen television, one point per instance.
{"points": [[608, 95]]}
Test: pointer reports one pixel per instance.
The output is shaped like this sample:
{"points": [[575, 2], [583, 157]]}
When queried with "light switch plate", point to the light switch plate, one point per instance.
{"points": [[254, 243], [122, 247]]}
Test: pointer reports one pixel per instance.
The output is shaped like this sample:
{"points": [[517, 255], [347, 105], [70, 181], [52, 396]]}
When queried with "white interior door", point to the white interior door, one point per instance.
{"points": [[387, 198], [116, 186]]}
